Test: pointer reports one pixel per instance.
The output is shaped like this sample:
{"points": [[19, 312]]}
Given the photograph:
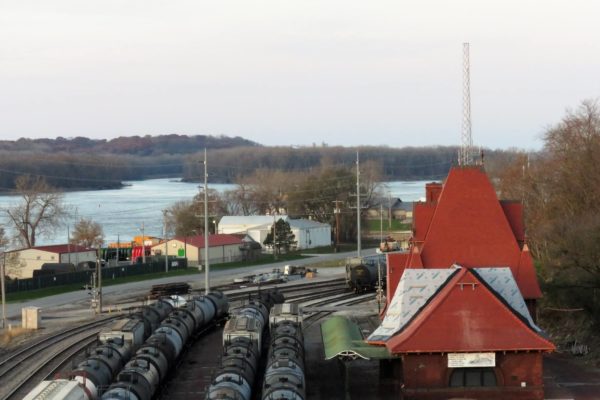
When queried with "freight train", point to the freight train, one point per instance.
{"points": [[139, 351], [243, 339], [284, 375], [365, 273]]}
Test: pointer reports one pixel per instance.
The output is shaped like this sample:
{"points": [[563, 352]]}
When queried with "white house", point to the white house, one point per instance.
{"points": [[308, 234], [21, 263], [245, 223], [221, 248]]}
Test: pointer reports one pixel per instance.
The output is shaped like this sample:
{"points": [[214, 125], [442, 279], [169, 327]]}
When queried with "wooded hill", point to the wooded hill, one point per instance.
{"points": [[127, 145], [406, 163], [83, 163]]}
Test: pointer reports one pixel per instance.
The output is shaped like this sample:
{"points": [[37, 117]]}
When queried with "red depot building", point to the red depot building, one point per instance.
{"points": [[461, 303]]}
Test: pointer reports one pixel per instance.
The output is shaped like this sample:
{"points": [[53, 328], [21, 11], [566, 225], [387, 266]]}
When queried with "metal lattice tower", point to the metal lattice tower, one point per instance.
{"points": [[466, 149]]}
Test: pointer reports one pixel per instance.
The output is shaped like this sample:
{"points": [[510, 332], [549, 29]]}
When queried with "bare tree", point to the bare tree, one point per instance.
{"points": [[88, 233], [40, 212], [3, 240], [182, 219], [240, 201], [560, 188]]}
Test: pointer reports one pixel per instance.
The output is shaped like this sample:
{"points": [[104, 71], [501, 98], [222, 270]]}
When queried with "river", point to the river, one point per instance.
{"points": [[121, 212]]}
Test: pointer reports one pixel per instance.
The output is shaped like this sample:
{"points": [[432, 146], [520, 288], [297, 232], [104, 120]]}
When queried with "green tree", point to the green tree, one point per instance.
{"points": [[284, 238]]}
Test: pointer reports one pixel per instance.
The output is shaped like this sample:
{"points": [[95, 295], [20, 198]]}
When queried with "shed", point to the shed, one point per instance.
{"points": [[21, 263], [221, 248]]}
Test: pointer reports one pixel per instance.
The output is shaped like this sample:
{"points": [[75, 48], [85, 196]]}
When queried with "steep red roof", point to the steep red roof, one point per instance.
{"points": [[63, 248], [457, 319], [213, 240], [396, 263], [526, 276], [465, 224], [514, 214], [469, 226], [422, 215]]}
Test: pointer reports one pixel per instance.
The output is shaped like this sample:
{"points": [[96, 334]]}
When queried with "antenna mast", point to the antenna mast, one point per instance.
{"points": [[465, 152]]}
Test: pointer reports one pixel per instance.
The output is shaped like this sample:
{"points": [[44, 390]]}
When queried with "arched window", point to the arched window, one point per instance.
{"points": [[472, 377]]}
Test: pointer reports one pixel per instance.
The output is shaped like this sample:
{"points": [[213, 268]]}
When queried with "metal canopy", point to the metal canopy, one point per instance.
{"points": [[343, 339]]}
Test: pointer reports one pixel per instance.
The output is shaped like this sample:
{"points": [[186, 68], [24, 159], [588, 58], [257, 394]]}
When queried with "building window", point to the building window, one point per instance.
{"points": [[473, 377]]}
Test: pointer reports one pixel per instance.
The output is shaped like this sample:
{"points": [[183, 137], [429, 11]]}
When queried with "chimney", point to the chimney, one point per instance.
{"points": [[432, 192]]}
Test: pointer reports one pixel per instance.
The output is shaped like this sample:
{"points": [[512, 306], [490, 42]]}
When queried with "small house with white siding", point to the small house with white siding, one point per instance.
{"points": [[20, 264]]}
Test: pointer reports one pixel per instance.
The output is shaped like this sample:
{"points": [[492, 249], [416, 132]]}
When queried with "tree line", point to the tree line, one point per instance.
{"points": [[83, 163], [560, 189], [406, 163]]}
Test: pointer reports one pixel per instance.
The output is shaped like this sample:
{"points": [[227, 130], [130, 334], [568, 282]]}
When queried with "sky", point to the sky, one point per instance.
{"points": [[286, 72]]}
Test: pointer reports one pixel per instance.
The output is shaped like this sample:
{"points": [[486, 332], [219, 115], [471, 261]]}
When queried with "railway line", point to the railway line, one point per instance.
{"points": [[200, 362], [45, 358]]}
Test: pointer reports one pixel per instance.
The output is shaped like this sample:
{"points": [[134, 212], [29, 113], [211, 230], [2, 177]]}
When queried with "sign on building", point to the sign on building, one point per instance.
{"points": [[466, 360]]}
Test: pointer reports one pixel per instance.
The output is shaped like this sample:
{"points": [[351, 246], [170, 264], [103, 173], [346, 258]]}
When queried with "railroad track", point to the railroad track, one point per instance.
{"points": [[291, 292], [20, 371], [43, 357], [343, 300]]}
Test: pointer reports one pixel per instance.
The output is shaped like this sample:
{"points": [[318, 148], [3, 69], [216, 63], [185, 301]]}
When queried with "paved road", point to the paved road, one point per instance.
{"points": [[565, 377], [197, 282]]}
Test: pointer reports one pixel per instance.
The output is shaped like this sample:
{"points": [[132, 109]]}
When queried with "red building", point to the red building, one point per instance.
{"points": [[461, 301]]}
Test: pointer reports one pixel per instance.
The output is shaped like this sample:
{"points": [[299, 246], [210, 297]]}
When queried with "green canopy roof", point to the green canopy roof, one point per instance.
{"points": [[342, 338]]}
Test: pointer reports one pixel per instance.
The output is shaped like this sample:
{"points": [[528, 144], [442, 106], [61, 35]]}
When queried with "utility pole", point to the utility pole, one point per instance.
{"points": [[3, 289], [166, 241], [98, 293], [380, 223], [118, 247], [337, 211], [68, 246], [389, 212], [206, 273], [274, 236], [358, 232], [143, 245]]}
